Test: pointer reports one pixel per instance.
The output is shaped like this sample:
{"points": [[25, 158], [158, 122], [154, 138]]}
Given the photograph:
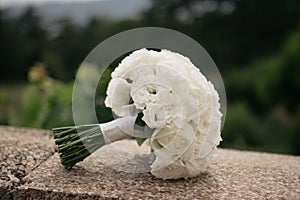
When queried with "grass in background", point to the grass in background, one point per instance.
{"points": [[10, 100]]}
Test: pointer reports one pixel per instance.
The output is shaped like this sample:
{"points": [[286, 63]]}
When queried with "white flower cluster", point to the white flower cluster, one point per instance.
{"points": [[177, 102]]}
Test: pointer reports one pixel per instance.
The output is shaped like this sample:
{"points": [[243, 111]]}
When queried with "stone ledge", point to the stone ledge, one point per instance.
{"points": [[232, 175], [22, 150]]}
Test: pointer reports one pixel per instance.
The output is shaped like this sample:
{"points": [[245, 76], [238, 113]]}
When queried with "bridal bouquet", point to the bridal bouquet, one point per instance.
{"points": [[160, 96]]}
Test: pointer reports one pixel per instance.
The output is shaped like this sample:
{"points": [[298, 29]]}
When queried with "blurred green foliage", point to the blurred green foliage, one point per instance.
{"points": [[46, 103], [264, 109], [256, 45]]}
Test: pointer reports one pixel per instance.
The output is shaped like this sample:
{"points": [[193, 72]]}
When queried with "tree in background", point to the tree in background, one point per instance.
{"points": [[234, 32], [255, 44], [23, 41], [269, 87]]}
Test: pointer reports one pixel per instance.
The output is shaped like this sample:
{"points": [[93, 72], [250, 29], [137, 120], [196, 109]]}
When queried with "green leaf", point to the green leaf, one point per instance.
{"points": [[139, 120], [140, 141]]}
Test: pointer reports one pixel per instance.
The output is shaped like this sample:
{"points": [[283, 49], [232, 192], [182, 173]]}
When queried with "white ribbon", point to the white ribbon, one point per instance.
{"points": [[121, 128]]}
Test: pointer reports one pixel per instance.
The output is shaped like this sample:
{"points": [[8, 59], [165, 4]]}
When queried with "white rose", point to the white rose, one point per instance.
{"points": [[134, 60], [154, 116], [118, 97], [170, 144], [161, 108]]}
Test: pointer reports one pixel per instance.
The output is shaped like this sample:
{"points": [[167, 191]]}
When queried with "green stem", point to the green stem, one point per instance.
{"points": [[75, 143]]}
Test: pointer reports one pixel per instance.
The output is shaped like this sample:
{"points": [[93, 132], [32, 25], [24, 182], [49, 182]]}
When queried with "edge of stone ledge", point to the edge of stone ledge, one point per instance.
{"points": [[45, 132], [7, 188]]}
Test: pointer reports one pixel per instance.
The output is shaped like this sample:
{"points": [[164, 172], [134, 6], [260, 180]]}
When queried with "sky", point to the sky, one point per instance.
{"points": [[8, 3]]}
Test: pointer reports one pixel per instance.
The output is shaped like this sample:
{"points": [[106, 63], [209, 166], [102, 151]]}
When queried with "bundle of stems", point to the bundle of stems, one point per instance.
{"points": [[75, 143]]}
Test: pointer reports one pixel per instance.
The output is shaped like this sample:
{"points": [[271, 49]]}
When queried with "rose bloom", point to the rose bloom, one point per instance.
{"points": [[177, 101]]}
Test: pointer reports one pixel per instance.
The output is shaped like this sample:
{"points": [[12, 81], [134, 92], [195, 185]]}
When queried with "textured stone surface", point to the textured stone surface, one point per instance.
{"points": [[21, 151], [232, 175]]}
